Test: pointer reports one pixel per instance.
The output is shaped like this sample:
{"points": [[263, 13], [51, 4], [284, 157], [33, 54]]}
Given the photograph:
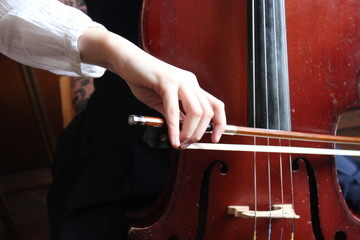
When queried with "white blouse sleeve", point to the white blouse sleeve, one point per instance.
{"points": [[44, 34]]}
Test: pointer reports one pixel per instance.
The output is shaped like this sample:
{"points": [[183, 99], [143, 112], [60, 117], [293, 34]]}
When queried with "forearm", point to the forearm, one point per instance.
{"points": [[103, 48]]}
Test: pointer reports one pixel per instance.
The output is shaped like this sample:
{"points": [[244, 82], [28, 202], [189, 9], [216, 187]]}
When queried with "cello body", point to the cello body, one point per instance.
{"points": [[210, 38]]}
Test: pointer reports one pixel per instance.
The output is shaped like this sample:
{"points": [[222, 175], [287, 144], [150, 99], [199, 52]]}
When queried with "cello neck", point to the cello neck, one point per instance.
{"points": [[268, 84]]}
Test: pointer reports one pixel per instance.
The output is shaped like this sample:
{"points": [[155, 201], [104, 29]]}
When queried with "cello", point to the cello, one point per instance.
{"points": [[296, 75]]}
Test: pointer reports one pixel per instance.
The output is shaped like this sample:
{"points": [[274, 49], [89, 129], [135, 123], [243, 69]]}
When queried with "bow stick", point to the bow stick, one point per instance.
{"points": [[264, 133]]}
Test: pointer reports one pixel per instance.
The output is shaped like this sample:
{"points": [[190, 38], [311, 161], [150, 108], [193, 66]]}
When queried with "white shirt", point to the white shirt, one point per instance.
{"points": [[44, 34]]}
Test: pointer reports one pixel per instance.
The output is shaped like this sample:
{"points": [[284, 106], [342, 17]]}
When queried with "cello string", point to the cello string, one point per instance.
{"points": [[292, 195], [275, 50], [278, 116], [255, 192], [269, 192], [254, 109], [280, 11], [286, 74], [282, 192], [267, 112]]}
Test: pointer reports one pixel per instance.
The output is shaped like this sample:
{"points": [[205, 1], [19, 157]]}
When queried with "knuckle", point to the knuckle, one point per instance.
{"points": [[220, 105], [197, 112], [192, 77], [209, 114]]}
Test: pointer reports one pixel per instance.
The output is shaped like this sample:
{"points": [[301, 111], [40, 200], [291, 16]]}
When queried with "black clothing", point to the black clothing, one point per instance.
{"points": [[349, 179], [102, 169]]}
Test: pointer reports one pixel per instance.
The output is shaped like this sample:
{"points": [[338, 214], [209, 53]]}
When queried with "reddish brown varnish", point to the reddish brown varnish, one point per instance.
{"points": [[209, 38]]}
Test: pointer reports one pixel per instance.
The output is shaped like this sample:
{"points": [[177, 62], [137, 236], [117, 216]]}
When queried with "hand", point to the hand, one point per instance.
{"points": [[161, 86], [173, 89]]}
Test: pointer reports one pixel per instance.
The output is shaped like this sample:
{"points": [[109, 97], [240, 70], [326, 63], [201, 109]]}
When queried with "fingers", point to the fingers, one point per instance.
{"points": [[219, 118], [172, 115], [198, 114], [200, 108], [210, 109]]}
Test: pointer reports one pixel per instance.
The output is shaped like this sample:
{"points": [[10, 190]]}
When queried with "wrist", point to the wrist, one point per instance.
{"points": [[93, 46]]}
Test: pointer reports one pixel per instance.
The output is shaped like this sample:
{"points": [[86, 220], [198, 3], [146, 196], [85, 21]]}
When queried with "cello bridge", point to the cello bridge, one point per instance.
{"points": [[277, 211]]}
